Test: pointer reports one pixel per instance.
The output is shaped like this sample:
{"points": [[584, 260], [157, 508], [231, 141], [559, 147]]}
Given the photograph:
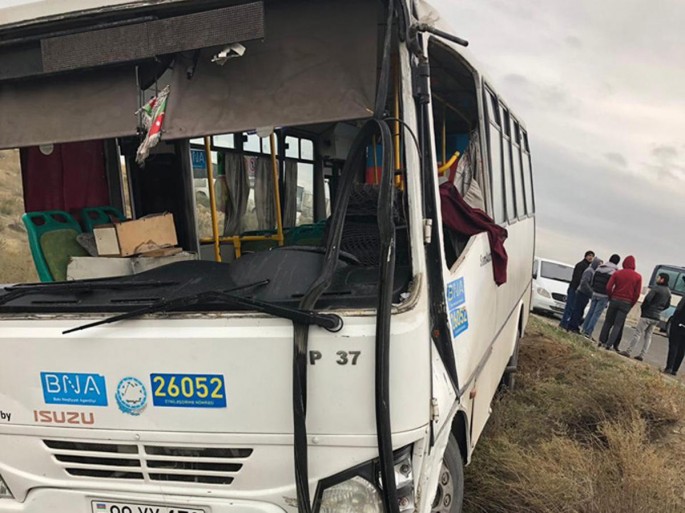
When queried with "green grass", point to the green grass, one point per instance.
{"points": [[584, 432]]}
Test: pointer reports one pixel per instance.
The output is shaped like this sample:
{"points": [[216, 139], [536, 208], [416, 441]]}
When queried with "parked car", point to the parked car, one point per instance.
{"points": [[665, 319], [550, 285]]}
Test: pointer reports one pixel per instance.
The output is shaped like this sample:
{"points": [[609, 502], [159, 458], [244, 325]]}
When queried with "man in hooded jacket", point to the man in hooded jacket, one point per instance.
{"points": [[600, 300], [583, 295], [623, 289]]}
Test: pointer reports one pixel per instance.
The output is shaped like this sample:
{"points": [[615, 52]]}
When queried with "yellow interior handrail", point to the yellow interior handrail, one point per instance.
{"points": [[237, 240], [212, 200], [449, 163]]}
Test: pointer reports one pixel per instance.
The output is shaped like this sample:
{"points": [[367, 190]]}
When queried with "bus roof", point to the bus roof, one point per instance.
{"points": [[16, 13]]}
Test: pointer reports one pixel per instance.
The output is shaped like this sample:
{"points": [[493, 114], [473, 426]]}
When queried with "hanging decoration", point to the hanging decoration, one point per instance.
{"points": [[152, 115]]}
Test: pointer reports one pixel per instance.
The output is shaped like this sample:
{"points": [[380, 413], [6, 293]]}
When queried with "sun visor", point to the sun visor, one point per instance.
{"points": [[78, 107], [318, 63]]}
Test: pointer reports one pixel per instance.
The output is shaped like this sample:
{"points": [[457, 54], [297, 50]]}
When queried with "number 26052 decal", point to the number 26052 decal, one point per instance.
{"points": [[188, 390]]}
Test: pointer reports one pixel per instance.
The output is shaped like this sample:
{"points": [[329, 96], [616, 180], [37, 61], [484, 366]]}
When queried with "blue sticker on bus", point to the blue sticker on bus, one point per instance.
{"points": [[459, 320], [199, 159], [456, 294], [188, 390], [74, 389], [458, 315]]}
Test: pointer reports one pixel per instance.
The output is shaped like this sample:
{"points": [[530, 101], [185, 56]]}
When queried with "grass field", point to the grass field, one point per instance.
{"points": [[584, 432], [16, 264]]}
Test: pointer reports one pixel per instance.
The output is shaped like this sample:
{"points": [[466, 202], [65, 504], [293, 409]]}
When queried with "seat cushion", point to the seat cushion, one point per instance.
{"points": [[58, 247]]}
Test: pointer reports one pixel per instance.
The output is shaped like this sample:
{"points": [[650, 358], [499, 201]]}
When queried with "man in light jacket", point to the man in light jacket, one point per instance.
{"points": [[600, 300], [656, 301], [583, 296]]}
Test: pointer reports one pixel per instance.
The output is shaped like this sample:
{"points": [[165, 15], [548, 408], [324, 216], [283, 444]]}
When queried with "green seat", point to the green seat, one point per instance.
{"points": [[95, 216], [306, 235], [52, 238]]}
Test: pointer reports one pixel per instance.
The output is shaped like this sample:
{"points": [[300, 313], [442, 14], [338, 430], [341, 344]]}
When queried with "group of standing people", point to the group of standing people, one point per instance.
{"points": [[605, 286]]}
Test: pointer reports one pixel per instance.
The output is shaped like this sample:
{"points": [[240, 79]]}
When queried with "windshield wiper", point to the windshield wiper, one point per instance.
{"points": [[330, 322], [17, 291]]}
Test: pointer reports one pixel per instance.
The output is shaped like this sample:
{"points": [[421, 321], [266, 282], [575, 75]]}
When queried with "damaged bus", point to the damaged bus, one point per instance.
{"points": [[284, 251]]}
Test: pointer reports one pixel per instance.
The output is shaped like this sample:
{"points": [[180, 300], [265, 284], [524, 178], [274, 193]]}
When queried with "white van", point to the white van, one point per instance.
{"points": [[550, 285]]}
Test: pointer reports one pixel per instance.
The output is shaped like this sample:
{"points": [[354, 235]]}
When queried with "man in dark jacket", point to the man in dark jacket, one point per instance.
{"points": [[573, 286], [583, 296], [676, 339], [656, 301], [623, 289], [600, 300]]}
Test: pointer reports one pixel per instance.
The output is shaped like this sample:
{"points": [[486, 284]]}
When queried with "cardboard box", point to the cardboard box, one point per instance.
{"points": [[150, 233]]}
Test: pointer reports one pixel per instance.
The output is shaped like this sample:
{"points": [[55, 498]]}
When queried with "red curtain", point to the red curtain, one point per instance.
{"points": [[64, 177], [458, 216]]}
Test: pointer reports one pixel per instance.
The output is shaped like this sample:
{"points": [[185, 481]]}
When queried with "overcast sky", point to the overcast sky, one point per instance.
{"points": [[600, 85]]}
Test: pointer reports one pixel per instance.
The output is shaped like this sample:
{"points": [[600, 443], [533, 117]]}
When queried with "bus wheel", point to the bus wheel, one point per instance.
{"points": [[509, 377], [449, 496]]}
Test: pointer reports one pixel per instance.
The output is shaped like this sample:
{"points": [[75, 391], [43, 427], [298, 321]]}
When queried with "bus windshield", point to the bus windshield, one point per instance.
{"points": [[241, 185], [557, 272]]}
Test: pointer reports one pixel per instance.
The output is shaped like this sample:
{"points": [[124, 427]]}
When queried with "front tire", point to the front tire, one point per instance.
{"points": [[449, 496], [509, 377]]}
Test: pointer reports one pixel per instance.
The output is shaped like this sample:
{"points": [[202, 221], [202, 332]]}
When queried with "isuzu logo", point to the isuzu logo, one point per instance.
{"points": [[63, 417]]}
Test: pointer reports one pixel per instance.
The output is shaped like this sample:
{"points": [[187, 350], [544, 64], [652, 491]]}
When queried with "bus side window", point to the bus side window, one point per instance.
{"points": [[527, 173], [516, 163], [506, 167], [495, 154]]}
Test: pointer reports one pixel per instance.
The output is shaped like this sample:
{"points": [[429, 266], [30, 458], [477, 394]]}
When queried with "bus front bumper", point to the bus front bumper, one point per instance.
{"points": [[42, 500]]}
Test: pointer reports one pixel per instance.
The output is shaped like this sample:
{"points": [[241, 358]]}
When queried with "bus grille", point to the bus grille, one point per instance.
{"points": [[151, 463]]}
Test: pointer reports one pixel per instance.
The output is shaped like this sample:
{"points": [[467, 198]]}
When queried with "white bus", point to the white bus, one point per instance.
{"points": [[335, 354]]}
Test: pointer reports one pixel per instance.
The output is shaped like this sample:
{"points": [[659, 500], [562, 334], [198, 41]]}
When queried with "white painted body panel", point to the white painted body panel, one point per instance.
{"points": [[253, 354]]}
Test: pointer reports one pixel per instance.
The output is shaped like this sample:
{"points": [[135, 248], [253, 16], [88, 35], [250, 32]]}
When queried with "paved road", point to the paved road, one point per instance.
{"points": [[657, 351]]}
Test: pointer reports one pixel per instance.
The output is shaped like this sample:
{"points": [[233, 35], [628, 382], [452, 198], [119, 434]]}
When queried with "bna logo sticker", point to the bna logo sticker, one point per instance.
{"points": [[131, 396]]}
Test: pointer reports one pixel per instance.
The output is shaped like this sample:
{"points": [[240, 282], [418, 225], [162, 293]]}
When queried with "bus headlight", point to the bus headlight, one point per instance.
{"points": [[358, 490], [355, 495], [544, 293], [4, 490]]}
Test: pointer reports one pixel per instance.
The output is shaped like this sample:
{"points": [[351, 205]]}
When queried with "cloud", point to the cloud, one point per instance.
{"points": [[573, 42], [583, 203], [616, 158], [665, 153]]}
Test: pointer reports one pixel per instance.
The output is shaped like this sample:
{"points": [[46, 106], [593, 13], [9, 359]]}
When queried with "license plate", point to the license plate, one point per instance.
{"points": [[127, 507]]}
